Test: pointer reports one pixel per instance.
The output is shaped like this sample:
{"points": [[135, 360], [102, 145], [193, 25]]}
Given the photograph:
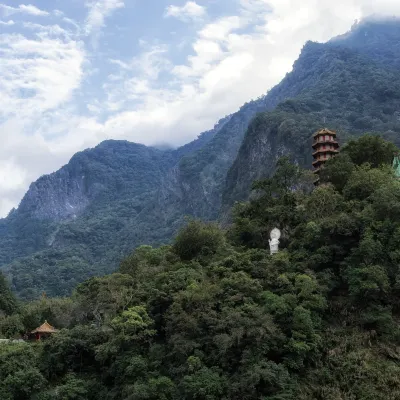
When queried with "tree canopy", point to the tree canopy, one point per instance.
{"points": [[215, 316]]}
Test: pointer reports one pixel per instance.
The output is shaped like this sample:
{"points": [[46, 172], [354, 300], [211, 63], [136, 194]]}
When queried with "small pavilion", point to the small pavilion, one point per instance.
{"points": [[44, 331]]}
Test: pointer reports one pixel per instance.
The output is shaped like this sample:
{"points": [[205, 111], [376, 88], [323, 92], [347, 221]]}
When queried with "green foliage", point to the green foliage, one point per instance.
{"points": [[58, 311], [11, 327], [275, 205], [370, 149], [8, 303], [364, 181], [198, 239], [134, 324], [71, 388], [20, 376], [215, 316], [337, 171]]}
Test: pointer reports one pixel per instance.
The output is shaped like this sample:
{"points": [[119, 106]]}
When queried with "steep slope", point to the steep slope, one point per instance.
{"points": [[202, 174], [92, 177], [90, 181], [71, 224], [82, 220], [349, 90]]}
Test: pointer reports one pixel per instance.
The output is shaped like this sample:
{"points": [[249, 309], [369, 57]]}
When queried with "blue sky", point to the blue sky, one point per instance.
{"points": [[76, 72]]}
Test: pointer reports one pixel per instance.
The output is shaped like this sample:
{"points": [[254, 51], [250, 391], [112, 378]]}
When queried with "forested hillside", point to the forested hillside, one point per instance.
{"points": [[83, 219], [214, 316], [351, 84]]}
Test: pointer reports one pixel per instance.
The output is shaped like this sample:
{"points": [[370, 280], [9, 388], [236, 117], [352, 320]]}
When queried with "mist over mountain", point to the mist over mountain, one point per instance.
{"points": [[83, 219]]}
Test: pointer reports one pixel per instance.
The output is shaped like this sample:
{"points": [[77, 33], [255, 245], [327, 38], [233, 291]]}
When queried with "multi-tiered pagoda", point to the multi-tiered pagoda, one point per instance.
{"points": [[325, 147]]}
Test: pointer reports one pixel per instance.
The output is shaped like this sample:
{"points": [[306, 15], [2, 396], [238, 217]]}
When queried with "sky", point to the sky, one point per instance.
{"points": [[76, 72]]}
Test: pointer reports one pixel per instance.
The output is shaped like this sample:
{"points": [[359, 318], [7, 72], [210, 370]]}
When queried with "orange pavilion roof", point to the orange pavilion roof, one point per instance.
{"points": [[45, 328]]}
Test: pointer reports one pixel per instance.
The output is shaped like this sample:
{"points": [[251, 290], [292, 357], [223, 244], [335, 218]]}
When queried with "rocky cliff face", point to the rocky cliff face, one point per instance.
{"points": [[100, 174], [202, 175], [59, 196]]}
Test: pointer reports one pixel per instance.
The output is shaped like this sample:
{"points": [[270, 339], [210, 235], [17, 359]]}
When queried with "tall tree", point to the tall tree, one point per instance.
{"points": [[8, 302]]}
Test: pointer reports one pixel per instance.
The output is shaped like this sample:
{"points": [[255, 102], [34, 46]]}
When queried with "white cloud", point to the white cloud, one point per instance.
{"points": [[234, 58], [137, 79], [7, 23], [37, 75], [11, 175], [58, 13], [98, 11], [38, 78], [32, 10], [48, 30], [25, 9], [191, 10]]}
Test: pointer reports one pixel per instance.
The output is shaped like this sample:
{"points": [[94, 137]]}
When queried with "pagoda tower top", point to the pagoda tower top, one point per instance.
{"points": [[324, 131]]}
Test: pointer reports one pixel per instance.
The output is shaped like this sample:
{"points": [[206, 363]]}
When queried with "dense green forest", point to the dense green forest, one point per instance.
{"points": [[215, 316]]}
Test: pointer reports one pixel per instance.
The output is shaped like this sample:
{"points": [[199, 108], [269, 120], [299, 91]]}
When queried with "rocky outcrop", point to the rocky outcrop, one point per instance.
{"points": [[100, 174], [59, 196]]}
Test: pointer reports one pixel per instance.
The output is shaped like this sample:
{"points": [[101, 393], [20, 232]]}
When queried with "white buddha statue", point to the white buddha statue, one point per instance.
{"points": [[274, 241]]}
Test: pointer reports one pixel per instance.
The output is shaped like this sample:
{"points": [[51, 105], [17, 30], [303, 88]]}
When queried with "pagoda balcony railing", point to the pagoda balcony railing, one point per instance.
{"points": [[316, 144], [330, 150], [322, 140]]}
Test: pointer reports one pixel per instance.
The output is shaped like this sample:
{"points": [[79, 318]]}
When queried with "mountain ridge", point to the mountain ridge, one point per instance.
{"points": [[359, 96], [131, 195]]}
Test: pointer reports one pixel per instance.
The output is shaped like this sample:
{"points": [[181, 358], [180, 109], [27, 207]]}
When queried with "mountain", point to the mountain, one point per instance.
{"points": [[83, 219], [351, 83]]}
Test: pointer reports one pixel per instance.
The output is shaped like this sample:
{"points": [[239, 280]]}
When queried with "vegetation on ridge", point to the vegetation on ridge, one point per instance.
{"points": [[215, 316]]}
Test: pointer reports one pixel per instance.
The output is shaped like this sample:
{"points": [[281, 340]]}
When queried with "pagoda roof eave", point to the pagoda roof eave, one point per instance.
{"points": [[324, 131], [322, 142], [333, 151]]}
